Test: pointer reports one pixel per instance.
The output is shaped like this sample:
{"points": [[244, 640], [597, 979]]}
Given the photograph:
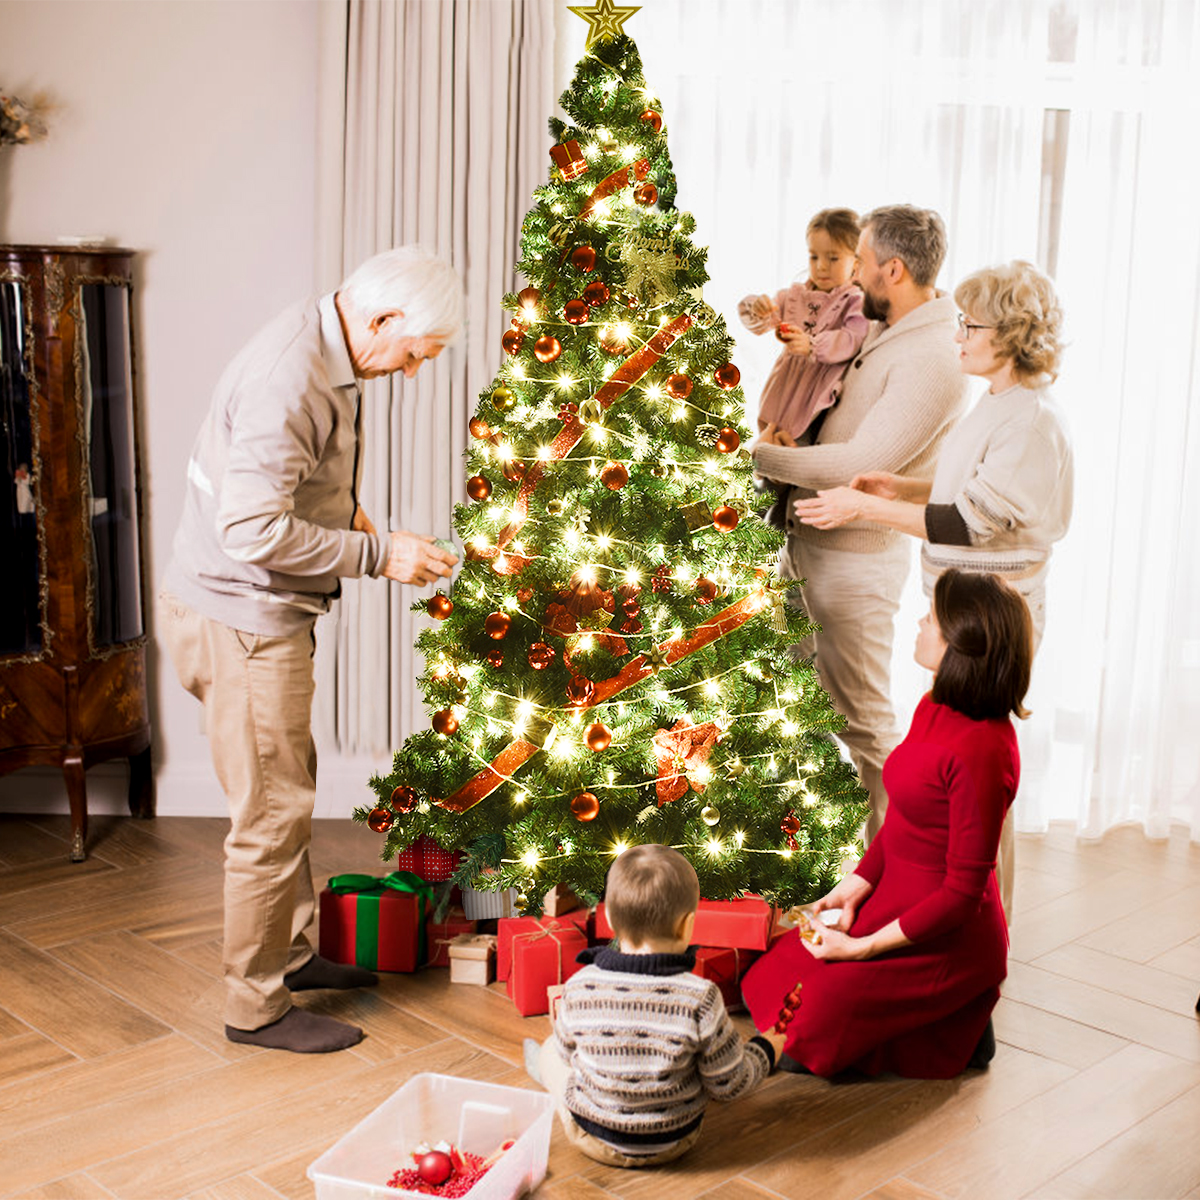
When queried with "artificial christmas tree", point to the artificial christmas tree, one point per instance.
{"points": [[611, 666]]}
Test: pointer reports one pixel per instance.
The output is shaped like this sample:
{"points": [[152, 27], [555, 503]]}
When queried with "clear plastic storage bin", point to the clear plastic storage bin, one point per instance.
{"points": [[475, 1117]]}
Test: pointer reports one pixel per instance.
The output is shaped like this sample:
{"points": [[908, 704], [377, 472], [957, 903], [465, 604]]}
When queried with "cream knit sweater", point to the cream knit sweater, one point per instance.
{"points": [[900, 395]]}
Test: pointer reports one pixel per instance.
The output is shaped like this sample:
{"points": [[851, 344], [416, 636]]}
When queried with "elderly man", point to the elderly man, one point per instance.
{"points": [[270, 525], [899, 396]]}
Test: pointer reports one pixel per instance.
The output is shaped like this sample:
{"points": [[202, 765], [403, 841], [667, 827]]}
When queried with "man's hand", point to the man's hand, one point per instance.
{"points": [[362, 523], [413, 558], [830, 508]]}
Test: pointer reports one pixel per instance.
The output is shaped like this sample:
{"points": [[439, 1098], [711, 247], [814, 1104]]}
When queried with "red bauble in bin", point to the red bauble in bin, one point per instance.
{"points": [[576, 311], [725, 518], [435, 1167], [679, 387], [496, 625], [706, 590], [404, 798], [439, 606], [512, 341], [426, 858], [495, 658], [583, 258], [596, 293], [614, 475], [479, 428], [727, 376], [728, 440], [541, 656], [445, 722], [599, 738], [569, 160], [547, 349], [580, 690], [479, 487], [645, 195], [379, 820], [653, 119]]}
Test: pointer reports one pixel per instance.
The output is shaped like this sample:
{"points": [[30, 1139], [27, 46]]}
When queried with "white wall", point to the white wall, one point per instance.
{"points": [[186, 131]]}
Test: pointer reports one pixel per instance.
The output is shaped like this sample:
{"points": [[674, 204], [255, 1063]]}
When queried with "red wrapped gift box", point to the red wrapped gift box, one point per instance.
{"points": [[439, 935], [744, 924], [426, 858], [725, 966], [508, 927], [542, 958], [378, 923]]}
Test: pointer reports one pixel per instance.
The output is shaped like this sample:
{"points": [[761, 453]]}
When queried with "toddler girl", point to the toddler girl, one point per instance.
{"points": [[821, 324]]}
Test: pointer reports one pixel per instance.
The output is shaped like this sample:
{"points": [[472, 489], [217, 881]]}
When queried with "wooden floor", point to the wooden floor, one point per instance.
{"points": [[116, 1081]]}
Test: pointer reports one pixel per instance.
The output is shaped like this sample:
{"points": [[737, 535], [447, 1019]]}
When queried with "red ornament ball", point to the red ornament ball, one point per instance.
{"points": [[496, 625], [598, 736], [727, 376], [614, 475], [547, 349], [576, 311], [435, 1167], [512, 341], [379, 820], [630, 301], [580, 690], [585, 806], [439, 606], [495, 658], [792, 999], [479, 428], [444, 722], [645, 195], [529, 296], [728, 440], [596, 293], [614, 345], [790, 824], [541, 656], [781, 330], [725, 518], [679, 387], [653, 119], [404, 798], [513, 470], [479, 487], [583, 258], [706, 590]]}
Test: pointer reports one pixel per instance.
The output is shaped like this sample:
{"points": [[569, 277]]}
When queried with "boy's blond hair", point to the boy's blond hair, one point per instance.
{"points": [[649, 890]]}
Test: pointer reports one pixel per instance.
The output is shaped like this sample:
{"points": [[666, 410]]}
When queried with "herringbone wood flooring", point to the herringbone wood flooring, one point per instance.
{"points": [[116, 1081]]}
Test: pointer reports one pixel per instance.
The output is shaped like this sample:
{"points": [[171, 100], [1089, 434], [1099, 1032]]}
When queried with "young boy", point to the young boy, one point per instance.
{"points": [[640, 1043]]}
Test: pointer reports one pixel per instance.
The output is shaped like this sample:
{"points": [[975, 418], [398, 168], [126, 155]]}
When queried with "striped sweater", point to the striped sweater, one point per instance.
{"points": [[647, 1044]]}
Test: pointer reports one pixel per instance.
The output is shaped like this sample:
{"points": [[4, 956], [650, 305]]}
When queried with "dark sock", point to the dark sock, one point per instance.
{"points": [[300, 1031], [985, 1050], [788, 1063], [319, 972]]}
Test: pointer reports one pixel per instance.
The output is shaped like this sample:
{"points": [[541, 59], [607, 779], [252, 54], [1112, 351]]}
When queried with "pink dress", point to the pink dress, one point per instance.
{"points": [[800, 386], [918, 1011]]}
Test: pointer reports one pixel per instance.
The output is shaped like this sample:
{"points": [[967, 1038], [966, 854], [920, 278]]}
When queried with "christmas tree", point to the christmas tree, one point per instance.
{"points": [[611, 666]]}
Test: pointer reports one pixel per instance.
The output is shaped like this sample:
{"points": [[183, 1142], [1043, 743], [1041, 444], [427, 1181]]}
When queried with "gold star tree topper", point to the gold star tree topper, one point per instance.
{"points": [[605, 19]]}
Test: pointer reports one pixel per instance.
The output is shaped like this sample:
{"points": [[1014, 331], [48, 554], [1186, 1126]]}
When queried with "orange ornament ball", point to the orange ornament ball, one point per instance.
{"points": [[479, 428], [529, 297], [728, 440], [727, 376], [547, 349], [496, 625], [444, 722], [513, 470], [512, 341], [479, 487], [725, 518], [379, 820], [645, 195], [598, 736], [439, 606], [596, 293], [679, 387], [495, 658], [576, 311], [706, 590], [614, 475], [585, 806], [583, 258], [653, 119], [404, 798]]}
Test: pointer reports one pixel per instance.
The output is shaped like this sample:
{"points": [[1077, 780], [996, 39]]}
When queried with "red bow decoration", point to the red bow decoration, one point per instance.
{"points": [[680, 750]]}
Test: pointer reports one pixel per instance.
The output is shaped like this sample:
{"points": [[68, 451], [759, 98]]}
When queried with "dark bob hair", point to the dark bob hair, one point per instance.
{"points": [[985, 623]]}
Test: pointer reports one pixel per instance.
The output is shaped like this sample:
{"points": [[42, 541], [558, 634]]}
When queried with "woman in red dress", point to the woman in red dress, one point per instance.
{"points": [[907, 978]]}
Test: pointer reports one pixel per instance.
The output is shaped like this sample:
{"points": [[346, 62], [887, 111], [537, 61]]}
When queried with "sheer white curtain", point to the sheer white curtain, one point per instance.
{"points": [[1058, 132], [433, 131]]}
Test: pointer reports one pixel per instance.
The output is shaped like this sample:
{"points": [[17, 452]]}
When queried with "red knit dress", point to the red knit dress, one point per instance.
{"points": [[918, 1011]]}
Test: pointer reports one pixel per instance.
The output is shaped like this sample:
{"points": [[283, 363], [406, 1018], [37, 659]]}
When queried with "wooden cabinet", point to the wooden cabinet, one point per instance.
{"points": [[72, 612]]}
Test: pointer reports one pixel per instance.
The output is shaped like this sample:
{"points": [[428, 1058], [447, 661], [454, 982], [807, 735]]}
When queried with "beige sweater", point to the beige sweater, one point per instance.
{"points": [[900, 395]]}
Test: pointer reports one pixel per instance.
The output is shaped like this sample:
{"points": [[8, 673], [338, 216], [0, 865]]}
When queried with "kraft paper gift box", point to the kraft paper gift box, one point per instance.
{"points": [[439, 935], [510, 926], [542, 958], [472, 958], [375, 922], [744, 924]]}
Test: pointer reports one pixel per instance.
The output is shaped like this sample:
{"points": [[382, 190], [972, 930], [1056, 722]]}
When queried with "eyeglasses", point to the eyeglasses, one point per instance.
{"points": [[965, 326]]}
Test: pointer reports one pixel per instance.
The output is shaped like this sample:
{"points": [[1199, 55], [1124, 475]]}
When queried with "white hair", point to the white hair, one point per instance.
{"points": [[410, 278]]}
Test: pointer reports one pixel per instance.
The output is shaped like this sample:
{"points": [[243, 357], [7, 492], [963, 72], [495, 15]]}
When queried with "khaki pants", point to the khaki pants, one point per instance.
{"points": [[854, 598], [257, 693], [554, 1073]]}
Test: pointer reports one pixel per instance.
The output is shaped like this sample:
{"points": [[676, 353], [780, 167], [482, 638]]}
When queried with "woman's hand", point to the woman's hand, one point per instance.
{"points": [[887, 486], [832, 945], [832, 507], [847, 896]]}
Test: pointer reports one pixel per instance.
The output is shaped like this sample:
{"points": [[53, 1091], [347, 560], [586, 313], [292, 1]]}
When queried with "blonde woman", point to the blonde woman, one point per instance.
{"points": [[1002, 492]]}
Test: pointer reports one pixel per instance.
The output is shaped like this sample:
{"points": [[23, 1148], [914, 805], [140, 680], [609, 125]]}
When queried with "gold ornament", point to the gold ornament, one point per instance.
{"points": [[710, 815], [591, 410], [555, 507], [696, 516], [734, 768], [605, 19], [656, 659]]}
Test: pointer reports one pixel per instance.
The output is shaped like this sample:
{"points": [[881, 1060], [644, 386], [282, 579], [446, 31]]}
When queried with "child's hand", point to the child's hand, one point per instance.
{"points": [[758, 313], [776, 1039], [796, 340]]}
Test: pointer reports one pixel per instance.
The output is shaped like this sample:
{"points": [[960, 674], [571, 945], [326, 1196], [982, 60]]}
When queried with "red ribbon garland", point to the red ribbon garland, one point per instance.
{"points": [[614, 183]]}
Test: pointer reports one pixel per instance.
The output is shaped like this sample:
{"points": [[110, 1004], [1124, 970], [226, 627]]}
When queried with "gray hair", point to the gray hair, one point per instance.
{"points": [[410, 278], [916, 236]]}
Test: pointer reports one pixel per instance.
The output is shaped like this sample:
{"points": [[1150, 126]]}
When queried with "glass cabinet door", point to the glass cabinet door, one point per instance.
{"points": [[20, 598], [106, 396]]}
